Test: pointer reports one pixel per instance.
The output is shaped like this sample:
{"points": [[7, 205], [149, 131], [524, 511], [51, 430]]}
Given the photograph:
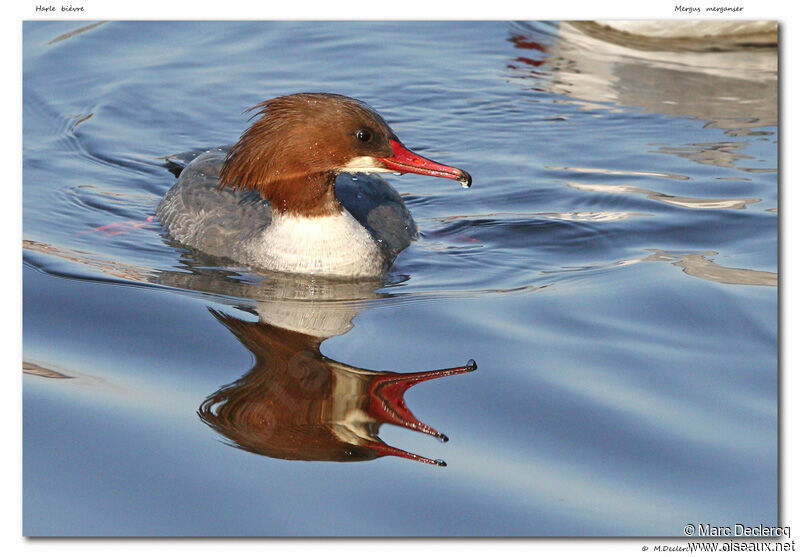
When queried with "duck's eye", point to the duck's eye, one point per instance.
{"points": [[364, 135]]}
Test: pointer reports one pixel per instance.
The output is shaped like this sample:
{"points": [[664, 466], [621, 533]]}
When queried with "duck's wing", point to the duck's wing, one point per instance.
{"points": [[199, 215], [176, 162]]}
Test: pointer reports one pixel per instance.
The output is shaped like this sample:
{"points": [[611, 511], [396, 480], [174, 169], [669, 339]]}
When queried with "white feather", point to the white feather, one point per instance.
{"points": [[327, 245], [363, 164]]}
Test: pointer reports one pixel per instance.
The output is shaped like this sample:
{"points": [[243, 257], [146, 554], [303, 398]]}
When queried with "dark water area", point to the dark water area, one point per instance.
{"points": [[612, 272]]}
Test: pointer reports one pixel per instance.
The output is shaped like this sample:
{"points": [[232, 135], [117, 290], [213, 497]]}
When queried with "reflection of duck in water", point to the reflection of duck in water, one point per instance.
{"points": [[296, 404]]}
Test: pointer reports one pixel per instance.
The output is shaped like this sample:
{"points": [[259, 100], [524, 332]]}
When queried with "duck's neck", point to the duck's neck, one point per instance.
{"points": [[308, 195]]}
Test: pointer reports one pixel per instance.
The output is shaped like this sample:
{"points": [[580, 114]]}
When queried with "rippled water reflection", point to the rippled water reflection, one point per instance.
{"points": [[612, 271]]}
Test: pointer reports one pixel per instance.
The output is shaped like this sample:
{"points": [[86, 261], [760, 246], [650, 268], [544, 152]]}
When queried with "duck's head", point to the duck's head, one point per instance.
{"points": [[299, 143]]}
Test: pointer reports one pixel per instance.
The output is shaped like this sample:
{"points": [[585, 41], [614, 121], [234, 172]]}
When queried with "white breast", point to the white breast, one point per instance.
{"points": [[331, 245]]}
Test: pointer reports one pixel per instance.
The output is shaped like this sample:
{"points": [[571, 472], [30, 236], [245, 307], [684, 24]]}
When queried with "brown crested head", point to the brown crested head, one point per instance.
{"points": [[292, 153]]}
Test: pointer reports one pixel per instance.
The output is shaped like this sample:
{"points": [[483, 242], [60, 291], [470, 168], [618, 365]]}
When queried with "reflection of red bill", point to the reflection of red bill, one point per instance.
{"points": [[387, 406], [117, 228]]}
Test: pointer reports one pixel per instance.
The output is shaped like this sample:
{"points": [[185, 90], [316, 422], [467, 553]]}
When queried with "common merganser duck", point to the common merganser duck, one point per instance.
{"points": [[274, 201]]}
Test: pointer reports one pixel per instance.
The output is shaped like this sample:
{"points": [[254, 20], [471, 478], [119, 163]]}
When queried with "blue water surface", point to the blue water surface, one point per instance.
{"points": [[612, 271]]}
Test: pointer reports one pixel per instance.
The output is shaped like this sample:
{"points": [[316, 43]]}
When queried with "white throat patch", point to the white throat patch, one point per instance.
{"points": [[363, 164]]}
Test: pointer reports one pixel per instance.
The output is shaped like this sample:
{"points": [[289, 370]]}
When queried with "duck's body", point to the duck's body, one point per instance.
{"points": [[274, 201], [362, 240]]}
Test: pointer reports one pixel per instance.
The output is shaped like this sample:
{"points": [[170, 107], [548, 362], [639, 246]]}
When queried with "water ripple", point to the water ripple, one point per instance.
{"points": [[685, 202]]}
